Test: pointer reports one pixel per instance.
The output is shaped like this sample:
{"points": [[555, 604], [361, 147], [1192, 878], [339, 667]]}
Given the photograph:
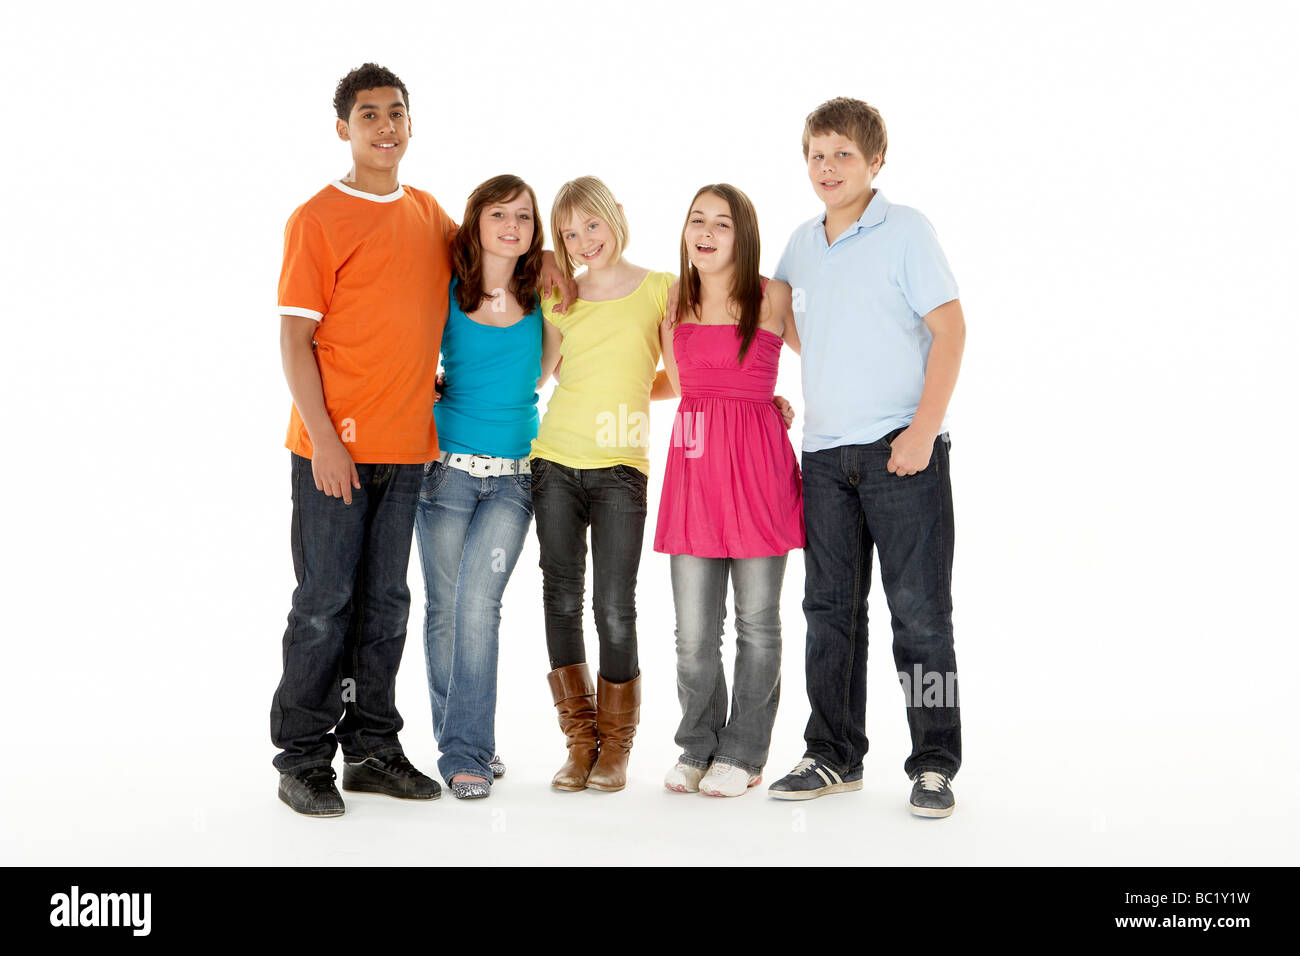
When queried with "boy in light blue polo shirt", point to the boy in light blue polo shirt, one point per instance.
{"points": [[882, 334]]}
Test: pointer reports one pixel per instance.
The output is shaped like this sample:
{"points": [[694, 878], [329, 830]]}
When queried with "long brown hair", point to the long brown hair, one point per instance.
{"points": [[746, 291], [467, 247]]}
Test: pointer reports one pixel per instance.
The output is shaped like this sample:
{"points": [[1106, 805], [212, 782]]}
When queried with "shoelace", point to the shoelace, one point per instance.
{"points": [[803, 766], [320, 779], [401, 764], [932, 780]]}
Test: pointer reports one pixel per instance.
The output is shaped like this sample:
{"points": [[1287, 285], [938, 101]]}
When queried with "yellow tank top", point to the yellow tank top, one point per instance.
{"points": [[599, 413]]}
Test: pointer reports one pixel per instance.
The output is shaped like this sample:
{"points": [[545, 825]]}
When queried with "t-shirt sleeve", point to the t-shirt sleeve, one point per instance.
{"points": [[548, 301], [666, 280], [449, 226], [308, 272], [925, 278]]}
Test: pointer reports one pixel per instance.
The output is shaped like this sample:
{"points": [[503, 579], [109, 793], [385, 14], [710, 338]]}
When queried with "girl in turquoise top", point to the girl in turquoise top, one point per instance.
{"points": [[476, 497]]}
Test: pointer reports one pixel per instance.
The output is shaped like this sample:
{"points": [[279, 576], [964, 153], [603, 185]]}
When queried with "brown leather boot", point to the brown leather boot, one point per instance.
{"points": [[575, 701], [618, 711]]}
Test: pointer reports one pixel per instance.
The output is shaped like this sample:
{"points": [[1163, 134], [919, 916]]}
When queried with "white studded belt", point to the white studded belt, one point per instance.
{"points": [[485, 466]]}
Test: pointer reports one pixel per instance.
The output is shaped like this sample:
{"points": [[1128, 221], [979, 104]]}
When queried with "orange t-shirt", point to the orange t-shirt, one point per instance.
{"points": [[373, 271]]}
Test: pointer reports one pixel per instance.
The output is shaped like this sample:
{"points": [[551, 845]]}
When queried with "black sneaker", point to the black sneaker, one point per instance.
{"points": [[311, 792], [811, 778], [391, 774], [932, 794]]}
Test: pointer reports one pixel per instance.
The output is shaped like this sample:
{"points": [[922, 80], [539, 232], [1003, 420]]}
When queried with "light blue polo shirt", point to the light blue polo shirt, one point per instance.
{"points": [[858, 306]]}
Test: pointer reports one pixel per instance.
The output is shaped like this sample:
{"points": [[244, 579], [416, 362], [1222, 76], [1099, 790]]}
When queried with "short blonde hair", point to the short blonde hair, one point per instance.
{"points": [[587, 196]]}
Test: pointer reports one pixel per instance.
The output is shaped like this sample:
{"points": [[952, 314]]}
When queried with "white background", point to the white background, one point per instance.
{"points": [[1114, 184]]}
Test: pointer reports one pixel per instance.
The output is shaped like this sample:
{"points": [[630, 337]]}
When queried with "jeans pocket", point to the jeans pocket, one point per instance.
{"points": [[435, 473], [634, 479], [631, 476], [539, 468]]}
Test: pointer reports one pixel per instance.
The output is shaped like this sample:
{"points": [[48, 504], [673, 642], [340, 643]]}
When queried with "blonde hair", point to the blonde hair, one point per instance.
{"points": [[587, 196]]}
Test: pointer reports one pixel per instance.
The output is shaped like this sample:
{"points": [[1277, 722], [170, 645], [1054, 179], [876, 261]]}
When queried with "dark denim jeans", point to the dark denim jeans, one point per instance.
{"points": [[612, 502], [852, 504], [705, 733], [347, 626]]}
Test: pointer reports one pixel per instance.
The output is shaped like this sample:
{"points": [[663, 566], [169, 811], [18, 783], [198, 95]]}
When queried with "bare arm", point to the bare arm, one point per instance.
{"points": [[663, 386], [912, 448], [670, 360], [674, 295], [551, 340], [782, 304], [331, 465]]}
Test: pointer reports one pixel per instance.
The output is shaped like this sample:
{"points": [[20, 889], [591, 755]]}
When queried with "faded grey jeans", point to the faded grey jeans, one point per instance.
{"points": [[707, 733]]}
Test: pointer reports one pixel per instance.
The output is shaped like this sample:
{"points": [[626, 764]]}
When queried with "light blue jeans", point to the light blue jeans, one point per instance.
{"points": [[706, 732], [470, 532]]}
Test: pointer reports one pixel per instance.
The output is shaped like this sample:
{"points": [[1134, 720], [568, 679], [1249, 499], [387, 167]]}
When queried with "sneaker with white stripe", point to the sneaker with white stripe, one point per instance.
{"points": [[932, 794], [811, 778]]}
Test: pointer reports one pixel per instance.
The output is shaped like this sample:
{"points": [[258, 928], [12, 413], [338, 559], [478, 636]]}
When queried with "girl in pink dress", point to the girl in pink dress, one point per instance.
{"points": [[731, 505]]}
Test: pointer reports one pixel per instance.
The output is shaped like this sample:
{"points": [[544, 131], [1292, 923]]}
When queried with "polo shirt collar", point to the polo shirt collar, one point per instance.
{"points": [[873, 215]]}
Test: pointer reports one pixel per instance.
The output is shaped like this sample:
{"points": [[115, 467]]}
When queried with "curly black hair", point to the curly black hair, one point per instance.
{"points": [[368, 76]]}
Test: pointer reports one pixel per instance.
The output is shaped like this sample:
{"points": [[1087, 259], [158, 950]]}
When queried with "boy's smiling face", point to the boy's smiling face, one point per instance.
{"points": [[378, 128], [841, 175]]}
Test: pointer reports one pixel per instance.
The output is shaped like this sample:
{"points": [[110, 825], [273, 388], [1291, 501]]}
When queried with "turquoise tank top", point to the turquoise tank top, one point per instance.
{"points": [[489, 402]]}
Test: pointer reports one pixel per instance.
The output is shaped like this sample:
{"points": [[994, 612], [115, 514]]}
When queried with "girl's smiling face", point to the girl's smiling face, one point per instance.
{"points": [[506, 228], [710, 233], [589, 240]]}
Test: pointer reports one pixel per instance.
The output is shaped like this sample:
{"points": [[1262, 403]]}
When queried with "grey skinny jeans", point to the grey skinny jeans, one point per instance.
{"points": [[706, 733]]}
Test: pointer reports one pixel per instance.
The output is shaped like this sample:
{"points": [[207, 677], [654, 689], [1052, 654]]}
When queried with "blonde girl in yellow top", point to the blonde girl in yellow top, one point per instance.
{"points": [[590, 467]]}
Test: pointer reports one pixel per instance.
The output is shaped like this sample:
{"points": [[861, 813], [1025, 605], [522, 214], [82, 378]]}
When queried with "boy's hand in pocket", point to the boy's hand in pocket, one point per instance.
{"points": [[910, 452]]}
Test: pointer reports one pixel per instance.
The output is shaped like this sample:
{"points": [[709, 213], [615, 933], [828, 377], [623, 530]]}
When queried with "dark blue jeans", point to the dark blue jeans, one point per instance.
{"points": [[852, 504], [347, 626], [612, 503]]}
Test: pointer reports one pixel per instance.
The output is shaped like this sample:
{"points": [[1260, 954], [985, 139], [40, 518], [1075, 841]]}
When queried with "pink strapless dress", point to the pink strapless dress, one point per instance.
{"points": [[732, 487]]}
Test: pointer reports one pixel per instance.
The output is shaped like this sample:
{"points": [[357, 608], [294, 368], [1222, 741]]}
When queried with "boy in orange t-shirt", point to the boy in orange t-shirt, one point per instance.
{"points": [[362, 301]]}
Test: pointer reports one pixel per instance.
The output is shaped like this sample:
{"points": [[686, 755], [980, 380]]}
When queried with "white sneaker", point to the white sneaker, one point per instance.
{"points": [[725, 780], [683, 778]]}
